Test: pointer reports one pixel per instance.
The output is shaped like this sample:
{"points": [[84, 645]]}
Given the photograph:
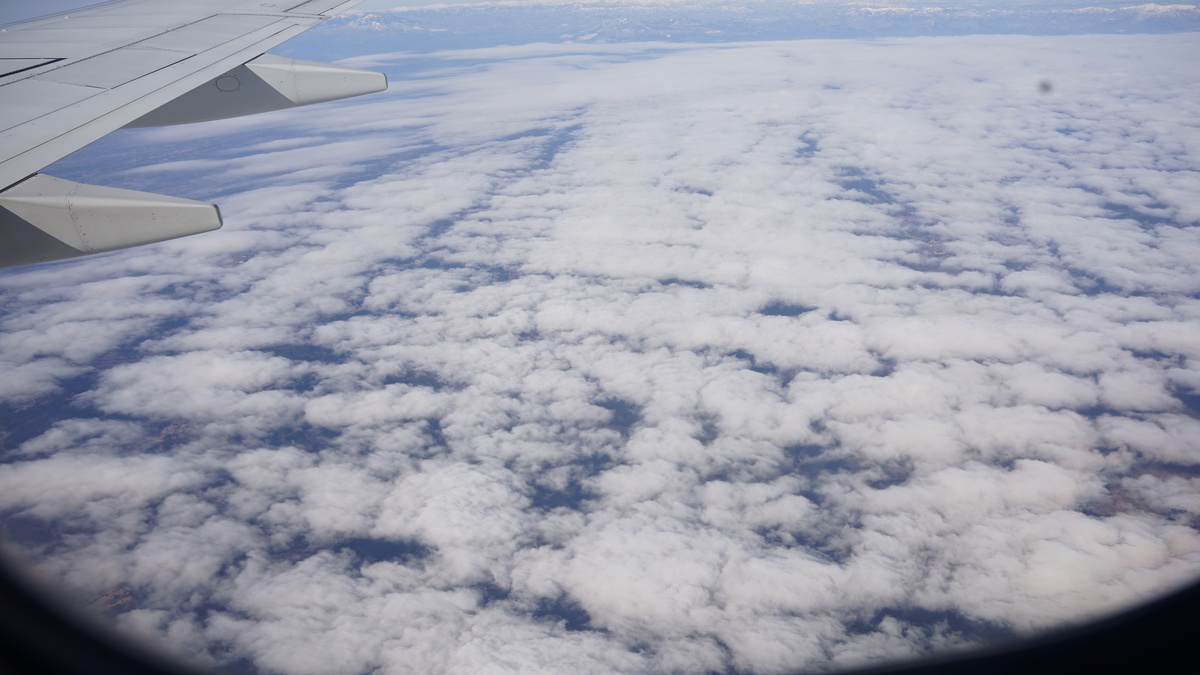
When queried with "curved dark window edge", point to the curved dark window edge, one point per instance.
{"points": [[41, 635]]}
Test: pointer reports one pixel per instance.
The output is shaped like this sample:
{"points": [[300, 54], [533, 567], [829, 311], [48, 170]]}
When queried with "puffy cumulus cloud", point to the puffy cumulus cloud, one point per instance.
{"points": [[636, 358]]}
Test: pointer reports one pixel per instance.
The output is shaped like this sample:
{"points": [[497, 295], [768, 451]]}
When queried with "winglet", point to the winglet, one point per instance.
{"points": [[266, 83]]}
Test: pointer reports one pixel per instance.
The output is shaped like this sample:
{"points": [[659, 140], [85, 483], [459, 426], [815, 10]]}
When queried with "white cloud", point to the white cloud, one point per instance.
{"points": [[638, 358]]}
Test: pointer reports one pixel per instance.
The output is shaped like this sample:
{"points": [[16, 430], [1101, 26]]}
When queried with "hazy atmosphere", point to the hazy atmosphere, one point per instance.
{"points": [[603, 345]]}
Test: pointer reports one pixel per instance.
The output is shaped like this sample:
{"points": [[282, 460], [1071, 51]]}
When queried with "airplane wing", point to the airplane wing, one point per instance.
{"points": [[69, 79]]}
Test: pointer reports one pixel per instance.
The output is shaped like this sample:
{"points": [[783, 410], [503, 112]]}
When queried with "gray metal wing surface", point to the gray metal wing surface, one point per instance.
{"points": [[69, 79]]}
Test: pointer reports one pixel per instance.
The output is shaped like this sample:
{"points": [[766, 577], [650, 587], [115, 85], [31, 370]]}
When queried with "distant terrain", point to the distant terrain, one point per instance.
{"points": [[492, 24]]}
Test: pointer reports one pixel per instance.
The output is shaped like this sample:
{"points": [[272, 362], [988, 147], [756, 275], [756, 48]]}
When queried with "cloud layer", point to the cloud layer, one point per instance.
{"points": [[635, 358]]}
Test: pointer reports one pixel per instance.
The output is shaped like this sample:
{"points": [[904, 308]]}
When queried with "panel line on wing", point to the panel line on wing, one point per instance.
{"points": [[31, 99], [200, 36], [324, 6], [44, 134], [13, 66], [114, 68]]}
